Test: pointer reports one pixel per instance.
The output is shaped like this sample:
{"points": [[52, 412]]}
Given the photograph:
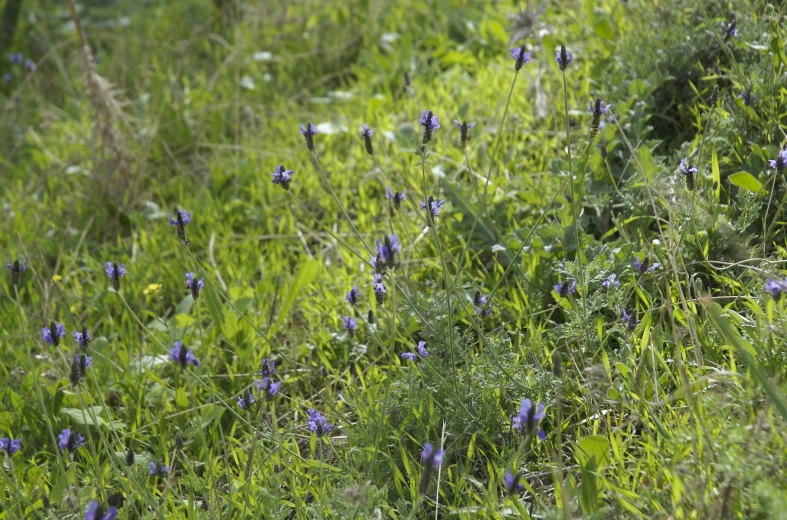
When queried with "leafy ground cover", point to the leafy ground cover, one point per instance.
{"points": [[408, 260]]}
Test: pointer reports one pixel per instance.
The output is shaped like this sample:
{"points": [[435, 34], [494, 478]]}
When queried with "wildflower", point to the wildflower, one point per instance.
{"points": [[268, 386], [521, 56], [83, 338], [16, 270], [430, 124], [267, 367], [775, 288], [434, 208], [15, 58], [689, 172], [282, 177], [79, 368], [245, 400], [350, 324], [53, 333], [183, 356], [631, 320], [317, 423], [731, 30], [308, 133], [379, 289], [565, 288], [563, 57], [528, 418], [780, 163], [157, 469], [597, 109], [194, 285], [409, 356], [370, 317], [8, 77], [642, 267], [611, 282], [421, 348], [464, 128], [480, 305], [352, 295], [115, 272], [70, 441], [95, 511], [366, 133], [182, 218], [10, 446], [397, 197], [387, 250], [747, 97], [432, 459], [30, 65], [513, 482]]}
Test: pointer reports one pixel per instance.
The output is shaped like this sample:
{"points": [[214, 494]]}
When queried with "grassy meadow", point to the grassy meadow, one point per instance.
{"points": [[357, 259]]}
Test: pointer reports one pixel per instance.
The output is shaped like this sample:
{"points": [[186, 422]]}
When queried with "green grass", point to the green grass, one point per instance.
{"points": [[680, 417]]}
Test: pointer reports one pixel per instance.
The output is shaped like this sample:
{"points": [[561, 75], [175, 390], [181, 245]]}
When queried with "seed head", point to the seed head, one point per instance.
{"points": [[308, 134], [366, 133], [464, 128], [597, 109]]}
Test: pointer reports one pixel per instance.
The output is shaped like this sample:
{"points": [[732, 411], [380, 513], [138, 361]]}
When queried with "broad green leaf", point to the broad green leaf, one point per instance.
{"points": [[746, 181], [603, 28], [593, 447], [92, 419]]}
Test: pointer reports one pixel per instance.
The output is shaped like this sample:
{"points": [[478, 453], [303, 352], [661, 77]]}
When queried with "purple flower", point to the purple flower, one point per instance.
{"points": [[30, 65], [16, 269], [685, 169], [282, 177], [434, 207], [267, 367], [245, 400], [308, 133], [598, 107], [15, 58], [409, 356], [183, 356], [95, 511], [747, 97], [53, 333], [775, 288], [526, 421], [563, 57], [379, 288], [432, 457], [643, 267], [366, 133], [8, 77], [480, 305], [182, 218], [317, 423], [79, 368], [352, 295], [268, 386], [397, 197], [513, 482], [10, 446], [350, 324], [520, 56], [115, 272], [631, 321], [70, 441], [157, 469], [464, 128], [731, 29], [565, 288], [194, 285], [387, 250], [83, 338], [780, 163], [421, 348], [611, 282], [429, 122]]}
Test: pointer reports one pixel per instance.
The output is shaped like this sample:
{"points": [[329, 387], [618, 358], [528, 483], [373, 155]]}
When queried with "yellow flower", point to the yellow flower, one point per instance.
{"points": [[56, 278], [154, 287]]}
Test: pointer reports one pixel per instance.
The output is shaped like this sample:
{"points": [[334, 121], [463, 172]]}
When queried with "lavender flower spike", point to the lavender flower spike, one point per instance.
{"points": [[83, 338], [408, 356], [282, 177], [780, 163], [317, 423], [194, 285], [421, 348], [308, 134], [610, 282], [157, 469], [689, 172], [563, 57], [397, 197], [429, 122], [630, 320], [366, 133], [521, 56], [643, 267], [183, 356], [115, 272], [528, 418], [432, 459], [775, 288], [182, 218], [565, 288], [434, 208], [70, 441], [352, 295], [95, 511], [53, 333], [16, 270], [350, 324], [513, 482], [10, 446], [464, 128]]}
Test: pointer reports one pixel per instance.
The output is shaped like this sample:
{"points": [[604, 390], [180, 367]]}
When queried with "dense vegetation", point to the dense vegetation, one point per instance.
{"points": [[275, 334]]}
